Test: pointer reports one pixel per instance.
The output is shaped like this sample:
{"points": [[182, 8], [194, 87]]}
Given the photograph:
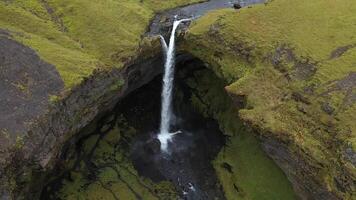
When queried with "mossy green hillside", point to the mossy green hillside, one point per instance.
{"points": [[79, 36], [238, 164], [294, 63], [104, 170]]}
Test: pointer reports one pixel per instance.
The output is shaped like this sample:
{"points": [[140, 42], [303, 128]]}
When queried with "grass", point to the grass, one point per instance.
{"points": [[242, 152], [52, 45], [272, 51], [81, 35], [254, 182]]}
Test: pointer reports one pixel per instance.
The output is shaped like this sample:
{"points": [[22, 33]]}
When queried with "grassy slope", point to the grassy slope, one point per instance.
{"points": [[81, 35], [247, 179], [243, 45]]}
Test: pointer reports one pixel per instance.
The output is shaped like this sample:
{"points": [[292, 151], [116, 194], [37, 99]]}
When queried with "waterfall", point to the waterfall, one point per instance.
{"points": [[166, 110]]}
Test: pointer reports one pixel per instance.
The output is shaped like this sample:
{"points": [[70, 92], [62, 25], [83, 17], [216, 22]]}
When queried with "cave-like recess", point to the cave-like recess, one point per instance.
{"points": [[216, 157]]}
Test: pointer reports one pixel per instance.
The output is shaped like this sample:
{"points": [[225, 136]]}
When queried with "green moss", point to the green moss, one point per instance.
{"points": [[52, 45], [281, 57], [305, 25], [117, 85], [238, 165], [248, 180], [19, 142], [113, 176], [54, 99], [34, 6], [79, 36]]}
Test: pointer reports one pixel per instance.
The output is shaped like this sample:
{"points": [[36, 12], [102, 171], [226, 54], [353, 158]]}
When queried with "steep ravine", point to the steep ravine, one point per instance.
{"points": [[24, 166], [29, 168], [117, 157], [81, 148], [295, 85]]}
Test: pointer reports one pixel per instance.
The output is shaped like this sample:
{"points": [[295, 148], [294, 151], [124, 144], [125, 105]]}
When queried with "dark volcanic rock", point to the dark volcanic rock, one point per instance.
{"points": [[153, 146], [350, 155], [26, 82], [38, 151], [341, 50], [326, 107], [297, 169], [237, 6]]}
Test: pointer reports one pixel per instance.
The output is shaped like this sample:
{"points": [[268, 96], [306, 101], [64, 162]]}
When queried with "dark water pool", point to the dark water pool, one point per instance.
{"points": [[188, 161]]}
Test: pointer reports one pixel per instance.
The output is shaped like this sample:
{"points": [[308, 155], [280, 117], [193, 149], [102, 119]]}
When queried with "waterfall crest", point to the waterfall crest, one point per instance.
{"points": [[166, 109]]}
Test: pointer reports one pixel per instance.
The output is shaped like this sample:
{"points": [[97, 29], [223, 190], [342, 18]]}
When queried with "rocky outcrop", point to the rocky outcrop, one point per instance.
{"points": [[238, 164], [293, 86], [78, 86], [97, 94], [297, 89], [27, 83], [297, 169]]}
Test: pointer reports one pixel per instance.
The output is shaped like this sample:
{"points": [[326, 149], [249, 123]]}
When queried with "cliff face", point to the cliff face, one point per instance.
{"points": [[293, 63], [62, 63], [243, 168], [290, 65]]}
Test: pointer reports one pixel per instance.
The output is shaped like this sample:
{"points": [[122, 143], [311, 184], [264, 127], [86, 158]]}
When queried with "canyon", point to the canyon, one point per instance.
{"points": [[273, 92]]}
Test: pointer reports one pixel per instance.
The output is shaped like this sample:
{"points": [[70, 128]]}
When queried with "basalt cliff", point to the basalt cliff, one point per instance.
{"points": [[279, 79]]}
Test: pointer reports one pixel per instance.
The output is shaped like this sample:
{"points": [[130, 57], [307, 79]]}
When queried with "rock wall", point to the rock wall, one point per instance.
{"points": [[94, 96], [297, 92], [297, 169], [244, 170]]}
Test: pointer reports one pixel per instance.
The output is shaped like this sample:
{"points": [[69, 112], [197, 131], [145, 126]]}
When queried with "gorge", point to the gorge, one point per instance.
{"points": [[124, 145], [263, 100]]}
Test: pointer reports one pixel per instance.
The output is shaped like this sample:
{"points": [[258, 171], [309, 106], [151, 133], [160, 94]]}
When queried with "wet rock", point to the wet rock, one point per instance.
{"points": [[326, 107], [108, 119], [107, 123], [237, 6], [281, 54], [236, 188], [350, 154], [296, 168], [227, 166], [300, 98], [153, 146], [303, 70], [73, 113], [310, 89], [4, 195], [302, 108], [105, 128], [26, 82], [340, 51], [239, 101], [4, 33]]}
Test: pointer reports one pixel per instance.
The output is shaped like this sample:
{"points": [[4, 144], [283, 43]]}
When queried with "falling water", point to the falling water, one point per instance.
{"points": [[166, 110]]}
